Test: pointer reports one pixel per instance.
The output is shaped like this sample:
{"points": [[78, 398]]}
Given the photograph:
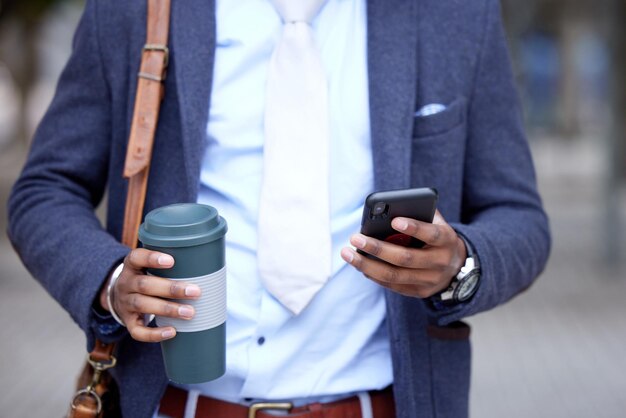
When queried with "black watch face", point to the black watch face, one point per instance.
{"points": [[467, 287]]}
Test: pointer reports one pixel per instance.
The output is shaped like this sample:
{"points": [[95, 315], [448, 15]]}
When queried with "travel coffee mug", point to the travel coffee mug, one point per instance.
{"points": [[194, 235]]}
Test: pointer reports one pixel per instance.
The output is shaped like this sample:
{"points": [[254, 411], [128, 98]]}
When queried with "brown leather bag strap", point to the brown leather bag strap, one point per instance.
{"points": [[145, 116], [150, 90]]}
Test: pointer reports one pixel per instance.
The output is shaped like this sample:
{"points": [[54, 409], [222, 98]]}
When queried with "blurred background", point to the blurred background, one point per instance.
{"points": [[559, 350]]}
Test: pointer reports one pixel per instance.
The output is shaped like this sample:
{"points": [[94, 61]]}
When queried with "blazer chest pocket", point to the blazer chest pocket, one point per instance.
{"points": [[438, 152], [439, 123]]}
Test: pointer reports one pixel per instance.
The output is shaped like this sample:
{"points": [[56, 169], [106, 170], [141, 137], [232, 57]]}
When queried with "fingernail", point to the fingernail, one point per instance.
{"points": [[358, 241], [168, 333], [165, 260], [185, 311], [192, 291], [347, 255], [402, 225]]}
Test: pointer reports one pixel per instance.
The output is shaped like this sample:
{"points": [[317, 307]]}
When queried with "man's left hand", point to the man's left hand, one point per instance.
{"points": [[416, 272]]}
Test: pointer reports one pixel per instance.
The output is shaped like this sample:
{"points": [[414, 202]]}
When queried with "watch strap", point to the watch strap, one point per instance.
{"points": [[436, 301]]}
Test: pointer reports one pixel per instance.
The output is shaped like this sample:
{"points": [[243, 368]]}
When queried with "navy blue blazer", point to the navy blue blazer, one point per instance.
{"points": [[419, 52]]}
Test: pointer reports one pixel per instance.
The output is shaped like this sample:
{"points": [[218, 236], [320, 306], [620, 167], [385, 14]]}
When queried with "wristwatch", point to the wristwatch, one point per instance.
{"points": [[464, 284]]}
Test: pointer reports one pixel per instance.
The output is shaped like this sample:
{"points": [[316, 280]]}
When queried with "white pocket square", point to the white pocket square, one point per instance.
{"points": [[430, 109]]}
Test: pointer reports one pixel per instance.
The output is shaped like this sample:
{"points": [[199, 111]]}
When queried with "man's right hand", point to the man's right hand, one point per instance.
{"points": [[136, 294]]}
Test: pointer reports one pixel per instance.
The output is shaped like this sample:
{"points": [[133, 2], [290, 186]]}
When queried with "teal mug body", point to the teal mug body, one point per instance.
{"points": [[194, 235]]}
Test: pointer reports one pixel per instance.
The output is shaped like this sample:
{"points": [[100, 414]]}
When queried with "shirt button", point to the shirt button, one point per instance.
{"points": [[260, 341]]}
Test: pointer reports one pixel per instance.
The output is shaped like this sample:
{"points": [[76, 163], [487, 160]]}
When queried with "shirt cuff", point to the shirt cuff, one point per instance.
{"points": [[105, 324]]}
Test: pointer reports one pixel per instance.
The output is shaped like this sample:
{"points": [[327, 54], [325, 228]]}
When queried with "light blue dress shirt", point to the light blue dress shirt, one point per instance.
{"points": [[338, 344]]}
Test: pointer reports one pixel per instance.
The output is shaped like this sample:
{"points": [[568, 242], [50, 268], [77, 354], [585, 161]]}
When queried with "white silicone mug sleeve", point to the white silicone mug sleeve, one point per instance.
{"points": [[210, 308]]}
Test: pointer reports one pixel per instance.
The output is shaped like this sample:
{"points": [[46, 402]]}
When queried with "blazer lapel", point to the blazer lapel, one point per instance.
{"points": [[193, 45], [392, 64]]}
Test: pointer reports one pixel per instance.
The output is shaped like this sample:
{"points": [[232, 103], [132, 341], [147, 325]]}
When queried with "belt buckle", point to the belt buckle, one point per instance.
{"points": [[256, 407]]}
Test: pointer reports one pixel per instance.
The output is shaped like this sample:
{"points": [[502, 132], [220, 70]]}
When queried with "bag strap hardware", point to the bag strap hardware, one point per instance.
{"points": [[90, 390], [151, 77], [78, 401], [160, 48], [98, 368], [166, 59]]}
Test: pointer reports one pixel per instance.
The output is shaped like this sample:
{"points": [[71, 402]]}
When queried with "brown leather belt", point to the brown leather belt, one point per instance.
{"points": [[174, 401]]}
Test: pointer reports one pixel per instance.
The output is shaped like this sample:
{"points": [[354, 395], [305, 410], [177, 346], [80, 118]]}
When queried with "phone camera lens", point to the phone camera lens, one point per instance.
{"points": [[379, 208]]}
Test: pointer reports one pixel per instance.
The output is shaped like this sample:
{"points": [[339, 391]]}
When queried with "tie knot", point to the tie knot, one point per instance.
{"points": [[298, 10]]}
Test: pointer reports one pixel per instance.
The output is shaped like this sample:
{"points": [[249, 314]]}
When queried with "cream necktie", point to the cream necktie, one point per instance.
{"points": [[294, 243]]}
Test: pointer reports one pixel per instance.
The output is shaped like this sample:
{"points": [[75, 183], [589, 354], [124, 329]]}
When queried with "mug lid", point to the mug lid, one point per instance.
{"points": [[182, 225]]}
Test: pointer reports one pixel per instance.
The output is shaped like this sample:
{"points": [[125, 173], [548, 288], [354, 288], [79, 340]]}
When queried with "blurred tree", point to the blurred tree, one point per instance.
{"points": [[617, 138], [22, 61]]}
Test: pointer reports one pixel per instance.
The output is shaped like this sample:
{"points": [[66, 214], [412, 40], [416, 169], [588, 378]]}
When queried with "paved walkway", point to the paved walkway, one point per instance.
{"points": [[557, 351]]}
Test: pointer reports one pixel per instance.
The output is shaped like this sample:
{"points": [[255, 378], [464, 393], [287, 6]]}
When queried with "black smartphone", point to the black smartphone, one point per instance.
{"points": [[382, 207]]}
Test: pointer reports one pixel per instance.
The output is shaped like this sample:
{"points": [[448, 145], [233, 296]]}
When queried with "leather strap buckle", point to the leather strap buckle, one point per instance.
{"points": [[159, 47], [255, 407], [166, 59]]}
